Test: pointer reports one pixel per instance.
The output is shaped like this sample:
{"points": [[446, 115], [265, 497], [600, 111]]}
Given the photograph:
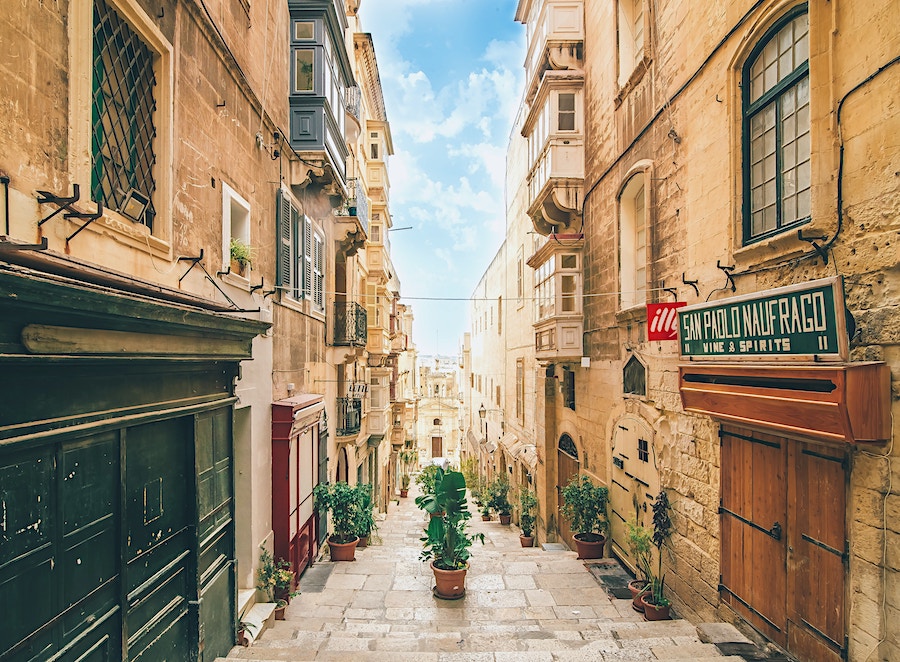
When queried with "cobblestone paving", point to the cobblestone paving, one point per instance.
{"points": [[521, 605]]}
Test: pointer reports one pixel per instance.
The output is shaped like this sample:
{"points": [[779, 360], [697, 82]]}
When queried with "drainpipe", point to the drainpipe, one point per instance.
{"points": [[4, 179]]}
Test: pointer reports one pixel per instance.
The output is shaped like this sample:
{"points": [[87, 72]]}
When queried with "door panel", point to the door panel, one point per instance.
{"points": [[635, 480], [817, 544], [567, 466], [437, 447], [753, 510], [158, 540]]}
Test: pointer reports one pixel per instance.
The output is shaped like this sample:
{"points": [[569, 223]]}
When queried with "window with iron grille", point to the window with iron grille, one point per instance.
{"points": [[643, 450], [123, 133]]}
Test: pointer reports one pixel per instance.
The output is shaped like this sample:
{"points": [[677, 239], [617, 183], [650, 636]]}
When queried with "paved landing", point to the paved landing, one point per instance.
{"points": [[521, 605]]}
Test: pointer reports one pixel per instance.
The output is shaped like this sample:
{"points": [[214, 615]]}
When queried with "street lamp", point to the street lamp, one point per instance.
{"points": [[482, 412]]}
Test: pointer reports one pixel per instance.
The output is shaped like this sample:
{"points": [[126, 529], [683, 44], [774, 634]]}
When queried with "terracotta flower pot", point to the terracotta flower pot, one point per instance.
{"points": [[343, 551], [652, 612], [404, 493], [363, 542], [279, 613], [590, 549], [449, 584], [636, 586], [527, 541], [505, 519], [485, 518]]}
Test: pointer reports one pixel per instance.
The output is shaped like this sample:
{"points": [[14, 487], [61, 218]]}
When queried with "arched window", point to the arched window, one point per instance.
{"points": [[633, 243], [437, 421], [634, 377], [776, 135], [567, 446]]}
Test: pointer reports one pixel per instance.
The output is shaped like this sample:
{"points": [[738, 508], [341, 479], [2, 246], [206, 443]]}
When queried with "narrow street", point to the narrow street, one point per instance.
{"points": [[527, 605]]}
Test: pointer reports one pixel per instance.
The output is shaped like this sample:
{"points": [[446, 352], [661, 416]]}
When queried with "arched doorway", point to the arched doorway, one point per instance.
{"points": [[635, 479], [567, 465], [342, 473]]}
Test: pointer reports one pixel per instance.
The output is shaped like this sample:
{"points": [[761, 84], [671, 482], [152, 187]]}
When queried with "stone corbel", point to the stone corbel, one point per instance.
{"points": [[303, 174]]}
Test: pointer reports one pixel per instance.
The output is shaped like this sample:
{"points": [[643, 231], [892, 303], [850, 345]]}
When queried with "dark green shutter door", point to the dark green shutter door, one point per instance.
{"points": [[307, 258]]}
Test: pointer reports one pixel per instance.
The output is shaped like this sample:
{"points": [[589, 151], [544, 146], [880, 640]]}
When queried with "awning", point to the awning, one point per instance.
{"points": [[520, 450], [510, 443], [375, 440], [528, 456]]}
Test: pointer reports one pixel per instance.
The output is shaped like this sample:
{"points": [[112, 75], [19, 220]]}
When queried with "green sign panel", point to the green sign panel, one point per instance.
{"points": [[797, 321]]}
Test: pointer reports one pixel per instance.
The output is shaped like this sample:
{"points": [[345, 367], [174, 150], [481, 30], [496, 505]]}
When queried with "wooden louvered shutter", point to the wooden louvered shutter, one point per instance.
{"points": [[283, 272], [307, 258], [319, 280]]}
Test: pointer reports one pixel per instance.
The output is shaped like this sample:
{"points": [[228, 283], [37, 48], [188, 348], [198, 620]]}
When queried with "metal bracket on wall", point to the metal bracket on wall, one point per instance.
{"points": [[86, 217], [729, 284], [262, 281], [193, 261], [8, 245], [823, 253], [692, 283], [63, 203]]}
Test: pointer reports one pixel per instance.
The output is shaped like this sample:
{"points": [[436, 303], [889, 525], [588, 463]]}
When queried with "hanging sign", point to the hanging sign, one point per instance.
{"points": [[805, 321], [662, 320]]}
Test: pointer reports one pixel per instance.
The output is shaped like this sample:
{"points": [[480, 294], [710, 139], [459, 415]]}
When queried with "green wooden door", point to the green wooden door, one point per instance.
{"points": [[215, 527], [158, 560]]}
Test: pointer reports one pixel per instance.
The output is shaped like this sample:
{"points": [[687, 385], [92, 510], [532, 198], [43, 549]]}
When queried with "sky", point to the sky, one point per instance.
{"points": [[452, 75]]}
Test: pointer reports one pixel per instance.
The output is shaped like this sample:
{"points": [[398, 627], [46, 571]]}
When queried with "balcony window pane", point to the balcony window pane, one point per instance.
{"points": [[303, 70]]}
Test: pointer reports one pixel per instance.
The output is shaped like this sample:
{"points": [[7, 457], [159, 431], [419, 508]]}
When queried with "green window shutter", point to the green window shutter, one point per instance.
{"points": [[283, 273], [319, 278]]}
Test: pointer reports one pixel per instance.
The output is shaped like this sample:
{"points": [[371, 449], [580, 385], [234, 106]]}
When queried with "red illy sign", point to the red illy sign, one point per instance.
{"points": [[662, 320]]}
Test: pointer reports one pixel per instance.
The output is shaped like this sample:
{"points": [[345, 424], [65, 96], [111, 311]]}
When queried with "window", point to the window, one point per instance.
{"points": [[123, 109], [235, 221], [544, 289], [568, 389], [376, 234], [566, 114], [643, 450], [301, 254], [776, 127], [304, 30], [497, 395], [520, 278], [437, 421], [520, 390], [633, 244], [374, 151], [634, 377], [303, 70], [630, 37]]}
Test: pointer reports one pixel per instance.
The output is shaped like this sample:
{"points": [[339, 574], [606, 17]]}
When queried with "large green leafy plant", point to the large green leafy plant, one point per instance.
{"points": [[364, 519], [499, 496], [447, 541], [527, 504], [344, 504], [584, 505], [662, 528]]}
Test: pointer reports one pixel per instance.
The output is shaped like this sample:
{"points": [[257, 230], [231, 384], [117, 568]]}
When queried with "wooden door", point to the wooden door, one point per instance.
{"points": [[817, 552], [437, 447], [784, 540], [635, 480], [566, 467]]}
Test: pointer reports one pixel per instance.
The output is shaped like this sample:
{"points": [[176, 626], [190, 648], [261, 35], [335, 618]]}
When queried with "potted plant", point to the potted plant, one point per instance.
{"points": [[584, 505], [499, 500], [364, 519], [343, 502], [425, 479], [485, 505], [639, 540], [447, 540], [244, 633], [527, 505], [656, 604], [241, 256], [274, 578], [404, 485]]}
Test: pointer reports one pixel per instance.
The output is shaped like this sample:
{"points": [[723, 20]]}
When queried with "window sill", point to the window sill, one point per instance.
{"points": [[772, 249], [302, 306], [636, 313], [236, 280], [642, 67], [133, 234]]}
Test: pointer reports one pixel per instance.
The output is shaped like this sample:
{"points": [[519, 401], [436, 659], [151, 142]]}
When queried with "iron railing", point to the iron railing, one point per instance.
{"points": [[350, 324], [349, 416], [353, 101], [358, 204]]}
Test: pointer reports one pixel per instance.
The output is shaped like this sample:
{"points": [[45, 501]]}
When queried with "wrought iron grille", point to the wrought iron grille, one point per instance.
{"points": [[350, 324], [349, 416], [123, 132]]}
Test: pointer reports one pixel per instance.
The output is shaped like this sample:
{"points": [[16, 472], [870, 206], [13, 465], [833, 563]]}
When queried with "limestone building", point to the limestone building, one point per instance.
{"points": [[184, 275], [715, 294]]}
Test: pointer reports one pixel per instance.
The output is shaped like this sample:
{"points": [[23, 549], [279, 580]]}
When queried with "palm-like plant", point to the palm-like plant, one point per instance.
{"points": [[447, 542], [527, 504]]}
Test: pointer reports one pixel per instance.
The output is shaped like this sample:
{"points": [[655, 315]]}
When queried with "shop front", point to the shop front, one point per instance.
{"points": [[116, 473], [773, 368]]}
